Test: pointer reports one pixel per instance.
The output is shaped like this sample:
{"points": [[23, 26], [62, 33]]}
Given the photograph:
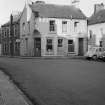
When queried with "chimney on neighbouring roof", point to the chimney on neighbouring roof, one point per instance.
{"points": [[75, 3], [40, 2], [98, 7]]}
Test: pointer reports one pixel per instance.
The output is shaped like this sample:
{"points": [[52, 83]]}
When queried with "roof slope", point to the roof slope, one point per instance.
{"points": [[97, 18], [57, 11]]}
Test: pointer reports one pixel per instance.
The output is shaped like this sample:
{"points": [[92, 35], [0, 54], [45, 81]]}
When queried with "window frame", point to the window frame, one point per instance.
{"points": [[49, 46], [64, 26], [71, 45], [60, 42], [52, 25]]}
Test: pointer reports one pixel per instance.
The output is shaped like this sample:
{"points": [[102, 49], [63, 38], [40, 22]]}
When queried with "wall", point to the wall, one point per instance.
{"points": [[26, 46], [42, 24]]}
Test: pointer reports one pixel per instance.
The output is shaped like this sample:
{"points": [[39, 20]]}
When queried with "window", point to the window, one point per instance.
{"points": [[23, 26], [64, 26], [5, 33], [100, 43], [75, 24], [49, 46], [29, 26], [60, 41], [70, 46], [52, 25], [36, 14], [90, 33]]}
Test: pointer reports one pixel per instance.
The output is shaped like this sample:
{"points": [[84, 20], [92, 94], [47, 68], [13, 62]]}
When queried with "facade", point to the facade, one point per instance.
{"points": [[52, 30], [11, 36], [0, 39], [96, 27]]}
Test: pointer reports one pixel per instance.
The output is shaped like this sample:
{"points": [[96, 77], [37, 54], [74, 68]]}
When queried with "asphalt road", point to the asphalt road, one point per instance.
{"points": [[59, 82]]}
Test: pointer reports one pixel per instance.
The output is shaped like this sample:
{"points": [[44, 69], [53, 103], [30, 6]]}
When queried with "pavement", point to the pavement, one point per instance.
{"points": [[9, 93], [47, 57]]}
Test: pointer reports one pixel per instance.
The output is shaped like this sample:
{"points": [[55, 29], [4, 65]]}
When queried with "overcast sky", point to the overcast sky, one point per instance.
{"points": [[8, 6]]}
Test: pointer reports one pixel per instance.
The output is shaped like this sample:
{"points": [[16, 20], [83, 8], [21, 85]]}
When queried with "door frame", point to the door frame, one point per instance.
{"points": [[81, 49]]}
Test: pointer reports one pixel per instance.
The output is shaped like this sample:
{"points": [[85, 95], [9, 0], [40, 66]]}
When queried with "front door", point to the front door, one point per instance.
{"points": [[80, 47], [37, 47]]}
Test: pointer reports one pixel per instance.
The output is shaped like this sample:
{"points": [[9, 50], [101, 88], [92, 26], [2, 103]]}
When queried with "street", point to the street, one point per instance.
{"points": [[58, 81]]}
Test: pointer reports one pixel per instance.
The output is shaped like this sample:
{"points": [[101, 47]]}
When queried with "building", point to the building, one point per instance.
{"points": [[11, 36], [96, 26], [52, 30], [0, 39]]}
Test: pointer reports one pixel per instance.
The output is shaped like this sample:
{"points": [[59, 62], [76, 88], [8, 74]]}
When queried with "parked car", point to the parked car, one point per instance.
{"points": [[94, 53], [102, 56]]}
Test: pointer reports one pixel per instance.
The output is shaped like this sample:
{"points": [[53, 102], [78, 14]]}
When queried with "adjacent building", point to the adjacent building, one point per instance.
{"points": [[96, 26], [52, 30], [11, 36], [0, 39]]}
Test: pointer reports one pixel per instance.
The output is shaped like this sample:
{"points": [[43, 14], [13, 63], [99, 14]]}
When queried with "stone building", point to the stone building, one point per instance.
{"points": [[52, 30], [11, 41]]}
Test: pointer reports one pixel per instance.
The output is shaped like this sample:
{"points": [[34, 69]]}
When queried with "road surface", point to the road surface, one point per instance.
{"points": [[58, 81]]}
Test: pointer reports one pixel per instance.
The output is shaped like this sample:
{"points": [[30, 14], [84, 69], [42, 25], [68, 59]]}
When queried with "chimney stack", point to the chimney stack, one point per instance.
{"points": [[98, 7]]}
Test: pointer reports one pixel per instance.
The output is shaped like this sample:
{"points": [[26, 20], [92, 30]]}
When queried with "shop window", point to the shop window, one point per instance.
{"points": [[70, 46], [49, 46], [60, 42]]}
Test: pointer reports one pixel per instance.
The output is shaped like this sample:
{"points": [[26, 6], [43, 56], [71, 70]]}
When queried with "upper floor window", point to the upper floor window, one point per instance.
{"points": [[76, 24], [52, 25], [90, 33], [23, 26], [8, 31], [64, 26], [36, 14], [29, 25]]}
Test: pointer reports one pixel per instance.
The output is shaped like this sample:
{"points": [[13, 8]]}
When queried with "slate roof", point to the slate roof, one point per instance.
{"points": [[15, 19], [57, 11], [97, 18]]}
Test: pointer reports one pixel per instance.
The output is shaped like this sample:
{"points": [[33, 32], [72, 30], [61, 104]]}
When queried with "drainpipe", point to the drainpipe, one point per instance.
{"points": [[11, 36]]}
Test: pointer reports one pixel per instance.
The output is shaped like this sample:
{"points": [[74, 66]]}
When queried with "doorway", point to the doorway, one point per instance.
{"points": [[37, 47], [80, 47]]}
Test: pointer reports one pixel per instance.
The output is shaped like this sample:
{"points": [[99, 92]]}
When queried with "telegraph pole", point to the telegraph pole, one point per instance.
{"points": [[11, 36]]}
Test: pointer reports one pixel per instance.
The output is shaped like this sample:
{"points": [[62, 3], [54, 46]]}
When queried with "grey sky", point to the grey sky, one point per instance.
{"points": [[8, 6]]}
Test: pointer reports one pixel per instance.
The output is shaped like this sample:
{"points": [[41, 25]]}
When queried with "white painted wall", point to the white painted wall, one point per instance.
{"points": [[43, 26], [96, 30]]}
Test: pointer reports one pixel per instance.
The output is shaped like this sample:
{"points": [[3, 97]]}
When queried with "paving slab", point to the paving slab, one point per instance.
{"points": [[9, 93]]}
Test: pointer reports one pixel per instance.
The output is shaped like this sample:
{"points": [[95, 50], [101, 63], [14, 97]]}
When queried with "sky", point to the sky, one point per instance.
{"points": [[9, 6]]}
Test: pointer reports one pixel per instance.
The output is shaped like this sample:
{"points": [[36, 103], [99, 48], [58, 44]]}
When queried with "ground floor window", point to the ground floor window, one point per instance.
{"points": [[70, 46], [60, 42], [49, 45]]}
